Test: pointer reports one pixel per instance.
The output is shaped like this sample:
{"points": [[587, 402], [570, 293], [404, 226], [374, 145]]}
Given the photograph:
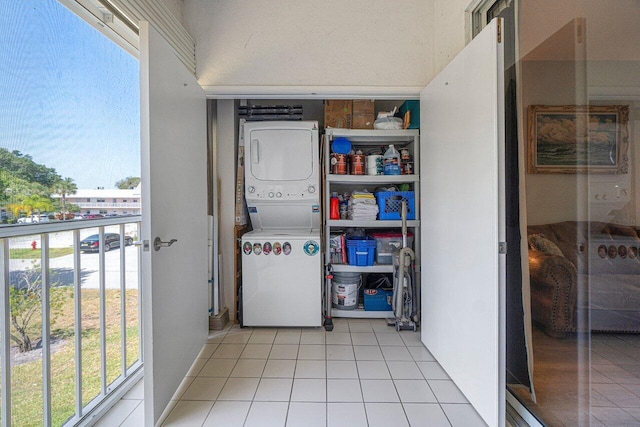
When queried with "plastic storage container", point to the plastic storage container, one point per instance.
{"points": [[391, 161], [377, 300], [361, 250], [387, 243], [344, 290], [413, 106], [390, 204], [334, 211]]}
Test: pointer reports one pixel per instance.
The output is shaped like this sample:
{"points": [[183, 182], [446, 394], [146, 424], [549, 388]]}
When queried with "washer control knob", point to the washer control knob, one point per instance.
{"points": [[271, 194], [278, 194], [311, 189], [252, 189]]}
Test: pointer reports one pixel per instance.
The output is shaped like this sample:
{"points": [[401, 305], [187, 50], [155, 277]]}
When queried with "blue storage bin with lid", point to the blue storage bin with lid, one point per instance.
{"points": [[361, 250]]}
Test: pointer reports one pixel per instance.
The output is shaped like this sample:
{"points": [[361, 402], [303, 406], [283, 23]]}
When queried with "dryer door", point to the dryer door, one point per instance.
{"points": [[280, 154]]}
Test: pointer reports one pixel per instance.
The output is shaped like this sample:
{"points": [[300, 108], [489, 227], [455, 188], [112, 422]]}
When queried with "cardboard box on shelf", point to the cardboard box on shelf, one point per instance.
{"points": [[363, 114], [338, 113]]}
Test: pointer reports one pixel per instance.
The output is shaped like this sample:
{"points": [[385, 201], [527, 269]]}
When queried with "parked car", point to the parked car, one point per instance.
{"points": [[111, 241], [33, 219], [93, 216]]}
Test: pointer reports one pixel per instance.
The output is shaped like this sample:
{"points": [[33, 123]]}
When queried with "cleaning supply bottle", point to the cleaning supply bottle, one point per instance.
{"points": [[391, 161], [334, 206]]}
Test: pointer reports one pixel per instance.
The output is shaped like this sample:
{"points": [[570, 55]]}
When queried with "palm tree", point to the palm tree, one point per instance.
{"points": [[65, 187], [36, 202]]}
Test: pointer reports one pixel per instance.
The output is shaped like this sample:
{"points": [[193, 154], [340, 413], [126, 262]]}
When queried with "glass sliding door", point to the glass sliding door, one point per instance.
{"points": [[553, 84], [578, 93]]}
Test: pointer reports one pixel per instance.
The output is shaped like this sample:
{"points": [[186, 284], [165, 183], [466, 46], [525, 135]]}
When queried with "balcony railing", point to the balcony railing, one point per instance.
{"points": [[70, 329]]}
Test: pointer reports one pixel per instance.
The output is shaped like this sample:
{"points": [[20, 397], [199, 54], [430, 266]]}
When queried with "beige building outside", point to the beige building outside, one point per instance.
{"points": [[106, 201]]}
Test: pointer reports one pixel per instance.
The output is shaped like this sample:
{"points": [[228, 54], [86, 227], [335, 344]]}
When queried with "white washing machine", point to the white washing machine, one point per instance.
{"points": [[281, 260], [281, 278]]}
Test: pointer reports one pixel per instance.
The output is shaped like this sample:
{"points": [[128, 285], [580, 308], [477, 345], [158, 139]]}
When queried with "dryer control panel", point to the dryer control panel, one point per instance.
{"points": [[305, 191]]}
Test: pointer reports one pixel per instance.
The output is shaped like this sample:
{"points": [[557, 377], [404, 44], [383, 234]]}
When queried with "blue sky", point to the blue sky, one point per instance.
{"points": [[69, 97]]}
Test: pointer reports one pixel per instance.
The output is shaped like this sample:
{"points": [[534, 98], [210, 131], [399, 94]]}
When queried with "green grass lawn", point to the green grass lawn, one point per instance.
{"points": [[28, 253], [26, 378]]}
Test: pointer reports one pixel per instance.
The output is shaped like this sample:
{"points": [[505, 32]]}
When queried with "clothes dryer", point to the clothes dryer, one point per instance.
{"points": [[282, 169]]}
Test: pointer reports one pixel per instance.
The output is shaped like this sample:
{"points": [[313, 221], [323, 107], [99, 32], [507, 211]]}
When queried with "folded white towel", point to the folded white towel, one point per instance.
{"points": [[364, 193], [364, 208], [366, 201]]}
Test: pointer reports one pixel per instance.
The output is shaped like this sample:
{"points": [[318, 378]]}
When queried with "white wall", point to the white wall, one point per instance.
{"points": [[550, 197], [448, 28], [250, 47], [175, 6]]}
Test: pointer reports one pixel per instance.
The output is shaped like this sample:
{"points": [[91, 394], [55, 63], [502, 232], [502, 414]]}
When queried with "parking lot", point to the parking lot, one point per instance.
{"points": [[62, 267]]}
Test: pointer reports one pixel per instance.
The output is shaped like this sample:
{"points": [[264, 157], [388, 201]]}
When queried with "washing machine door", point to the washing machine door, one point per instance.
{"points": [[279, 154]]}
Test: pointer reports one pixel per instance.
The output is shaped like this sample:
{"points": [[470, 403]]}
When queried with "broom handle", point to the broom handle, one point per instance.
{"points": [[403, 214]]}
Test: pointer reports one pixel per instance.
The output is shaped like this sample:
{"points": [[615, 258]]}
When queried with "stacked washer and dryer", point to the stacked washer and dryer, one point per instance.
{"points": [[281, 259]]}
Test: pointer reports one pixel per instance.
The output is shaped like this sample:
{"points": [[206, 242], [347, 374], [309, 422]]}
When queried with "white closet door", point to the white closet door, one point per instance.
{"points": [[174, 197], [462, 205]]}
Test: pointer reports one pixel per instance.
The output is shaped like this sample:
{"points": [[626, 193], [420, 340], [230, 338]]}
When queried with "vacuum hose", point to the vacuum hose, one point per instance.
{"points": [[402, 289]]}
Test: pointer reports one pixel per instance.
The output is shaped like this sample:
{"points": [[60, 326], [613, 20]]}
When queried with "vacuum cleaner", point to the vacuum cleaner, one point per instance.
{"points": [[404, 303]]}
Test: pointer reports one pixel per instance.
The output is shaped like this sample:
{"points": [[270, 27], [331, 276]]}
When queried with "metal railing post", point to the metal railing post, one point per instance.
{"points": [[140, 297], [103, 314], [123, 302], [5, 342], [45, 283], [77, 286]]}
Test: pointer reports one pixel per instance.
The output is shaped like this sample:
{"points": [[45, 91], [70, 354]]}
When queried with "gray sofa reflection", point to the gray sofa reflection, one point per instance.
{"points": [[580, 284]]}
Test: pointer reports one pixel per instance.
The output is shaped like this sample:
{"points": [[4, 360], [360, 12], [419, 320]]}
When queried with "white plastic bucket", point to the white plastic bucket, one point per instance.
{"points": [[344, 290]]}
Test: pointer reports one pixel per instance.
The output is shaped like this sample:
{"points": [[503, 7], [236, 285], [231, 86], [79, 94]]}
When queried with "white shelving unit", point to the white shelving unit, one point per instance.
{"points": [[367, 140]]}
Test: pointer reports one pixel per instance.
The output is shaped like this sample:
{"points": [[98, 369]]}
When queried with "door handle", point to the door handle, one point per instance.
{"points": [[157, 243], [144, 244]]}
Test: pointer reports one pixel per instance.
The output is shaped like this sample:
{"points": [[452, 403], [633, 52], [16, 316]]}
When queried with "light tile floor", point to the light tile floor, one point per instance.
{"points": [[363, 373], [561, 380]]}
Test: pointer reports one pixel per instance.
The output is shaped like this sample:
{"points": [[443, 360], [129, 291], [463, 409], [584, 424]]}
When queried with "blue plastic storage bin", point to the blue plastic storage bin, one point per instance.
{"points": [[377, 300], [390, 204], [361, 250]]}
